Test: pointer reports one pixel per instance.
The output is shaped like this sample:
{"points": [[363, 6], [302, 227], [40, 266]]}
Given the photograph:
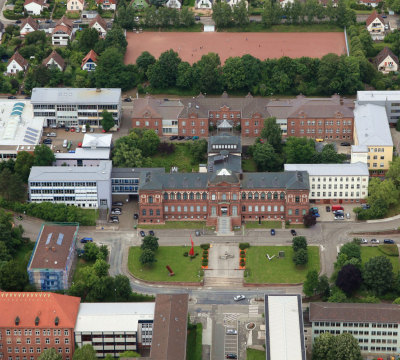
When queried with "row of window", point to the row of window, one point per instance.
{"points": [[63, 184], [37, 341], [376, 165], [24, 357], [346, 186], [320, 131], [327, 123], [62, 191], [335, 194], [376, 149], [335, 179], [182, 196], [185, 208], [151, 212], [366, 325], [32, 350], [223, 197], [37, 332], [124, 181]]}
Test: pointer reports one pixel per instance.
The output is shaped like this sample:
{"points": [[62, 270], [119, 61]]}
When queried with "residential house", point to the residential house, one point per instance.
{"points": [[52, 262], [75, 5], [89, 14], [107, 4], [34, 7], [140, 4], [376, 26], [372, 3], [204, 4], [386, 61], [233, 3], [28, 25], [54, 59], [174, 4], [89, 62], [62, 33], [100, 25], [375, 326], [31, 322], [16, 63]]}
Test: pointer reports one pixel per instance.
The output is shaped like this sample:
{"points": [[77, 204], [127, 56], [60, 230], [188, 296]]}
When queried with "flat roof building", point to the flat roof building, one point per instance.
{"points": [[75, 106], [51, 263], [284, 331]]}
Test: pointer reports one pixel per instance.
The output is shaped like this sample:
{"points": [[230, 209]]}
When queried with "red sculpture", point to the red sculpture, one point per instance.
{"points": [[171, 273], [191, 252]]}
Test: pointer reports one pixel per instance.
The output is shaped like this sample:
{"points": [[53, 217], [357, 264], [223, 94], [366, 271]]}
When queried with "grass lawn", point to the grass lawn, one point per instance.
{"points": [[295, 226], [258, 27], [177, 225], [180, 157], [278, 270], [393, 210], [252, 354], [194, 344], [249, 165], [264, 225], [368, 252], [80, 264], [184, 268]]}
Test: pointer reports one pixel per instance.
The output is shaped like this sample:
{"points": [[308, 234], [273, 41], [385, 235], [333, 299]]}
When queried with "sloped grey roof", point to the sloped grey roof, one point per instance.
{"points": [[231, 162], [223, 175], [157, 108], [129, 173], [158, 181], [224, 139], [291, 180], [354, 169]]}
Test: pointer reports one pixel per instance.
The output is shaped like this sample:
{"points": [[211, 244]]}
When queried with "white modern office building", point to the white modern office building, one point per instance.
{"points": [[75, 106], [375, 326], [335, 183], [284, 329], [83, 186], [113, 328]]}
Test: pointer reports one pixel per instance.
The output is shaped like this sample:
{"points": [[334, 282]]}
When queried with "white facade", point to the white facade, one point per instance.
{"points": [[100, 29], [233, 3], [13, 67], [359, 153], [26, 29], [33, 8], [75, 5], [174, 4], [60, 38], [113, 328], [52, 62], [387, 65], [376, 29], [335, 182], [204, 4]]}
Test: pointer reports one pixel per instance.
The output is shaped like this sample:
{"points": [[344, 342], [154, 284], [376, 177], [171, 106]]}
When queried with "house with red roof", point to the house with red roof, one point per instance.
{"points": [[107, 4], [31, 322], [100, 25], [34, 7], [62, 32], [54, 59], [376, 26], [372, 3], [28, 25], [386, 61], [89, 62], [75, 5], [16, 63]]}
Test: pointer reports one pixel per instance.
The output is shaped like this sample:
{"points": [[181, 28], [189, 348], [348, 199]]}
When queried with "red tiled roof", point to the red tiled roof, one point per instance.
{"points": [[106, 1], [62, 28], [44, 305], [90, 56], [373, 16], [39, 2], [31, 22], [65, 21], [19, 59], [98, 19], [56, 57]]}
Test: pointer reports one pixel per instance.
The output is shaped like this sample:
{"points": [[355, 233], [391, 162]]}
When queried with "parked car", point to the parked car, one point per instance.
{"points": [[86, 240], [114, 219], [374, 241], [197, 18], [181, 137], [364, 241], [293, 232], [239, 297], [347, 215], [12, 97], [128, 99], [339, 217], [365, 206], [328, 208], [78, 129], [136, 216], [231, 356], [84, 129], [18, 22], [116, 209], [273, 232], [72, 129], [142, 233], [345, 143], [117, 203], [116, 212], [173, 137], [197, 233], [338, 212], [47, 141], [231, 332], [195, 138], [151, 233], [91, 130], [388, 241], [188, 138], [66, 128], [52, 134]]}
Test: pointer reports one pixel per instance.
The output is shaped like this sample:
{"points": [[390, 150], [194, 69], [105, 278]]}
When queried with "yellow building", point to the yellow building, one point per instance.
{"points": [[371, 129]]}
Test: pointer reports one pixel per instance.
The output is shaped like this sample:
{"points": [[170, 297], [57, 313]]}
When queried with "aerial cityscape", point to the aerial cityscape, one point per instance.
{"points": [[199, 179]]}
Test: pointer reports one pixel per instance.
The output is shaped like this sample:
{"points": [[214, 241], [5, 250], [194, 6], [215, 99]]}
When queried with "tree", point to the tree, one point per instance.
{"points": [[233, 73], [50, 354], [144, 61], [330, 156], [299, 150], [382, 194], [88, 39], [309, 220], [240, 14], [13, 277], [394, 169], [164, 72], [336, 347], [378, 274], [323, 287], [300, 257], [101, 268], [23, 164], [272, 13], [198, 150], [147, 141], [150, 242], [265, 157], [116, 38], [147, 257], [126, 156], [107, 120], [126, 17], [208, 72], [349, 279], [337, 296], [222, 14], [129, 354], [351, 249], [86, 352], [397, 301], [272, 132], [299, 242], [184, 78], [311, 284], [186, 17], [91, 251], [11, 186], [43, 156], [123, 290]]}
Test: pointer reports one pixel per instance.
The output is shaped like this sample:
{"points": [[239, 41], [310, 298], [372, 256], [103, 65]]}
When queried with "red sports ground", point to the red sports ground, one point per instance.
{"points": [[192, 46]]}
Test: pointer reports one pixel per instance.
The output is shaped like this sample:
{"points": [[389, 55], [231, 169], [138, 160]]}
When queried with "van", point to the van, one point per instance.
{"points": [[65, 143], [52, 134], [337, 207]]}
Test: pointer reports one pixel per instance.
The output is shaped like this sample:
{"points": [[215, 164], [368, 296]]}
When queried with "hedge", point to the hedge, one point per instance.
{"points": [[243, 246], [205, 246], [11, 15]]}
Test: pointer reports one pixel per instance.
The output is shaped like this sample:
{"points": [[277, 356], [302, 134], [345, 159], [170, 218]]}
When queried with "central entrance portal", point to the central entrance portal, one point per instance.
{"points": [[224, 211]]}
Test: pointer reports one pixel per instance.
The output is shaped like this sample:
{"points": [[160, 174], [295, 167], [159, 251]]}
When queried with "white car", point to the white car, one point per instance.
{"points": [[374, 241], [239, 297], [339, 217], [364, 241], [231, 332], [84, 128]]}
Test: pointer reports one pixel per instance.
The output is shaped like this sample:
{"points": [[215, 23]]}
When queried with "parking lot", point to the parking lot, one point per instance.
{"points": [[130, 207], [329, 216]]}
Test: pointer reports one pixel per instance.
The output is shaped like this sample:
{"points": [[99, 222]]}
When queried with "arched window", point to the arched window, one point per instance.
{"points": [[250, 196], [262, 196], [144, 212], [275, 196], [282, 196], [191, 196], [204, 196], [269, 196], [224, 196], [150, 199], [178, 196], [198, 196], [172, 196], [165, 196], [244, 196], [151, 212], [184, 196], [256, 196]]}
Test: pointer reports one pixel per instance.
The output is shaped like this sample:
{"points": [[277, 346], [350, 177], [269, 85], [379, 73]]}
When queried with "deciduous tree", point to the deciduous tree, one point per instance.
{"points": [[311, 284], [300, 257], [349, 279], [272, 132], [43, 156], [147, 257], [50, 354], [378, 274], [107, 120], [23, 164], [265, 157], [86, 352], [299, 242], [150, 242]]}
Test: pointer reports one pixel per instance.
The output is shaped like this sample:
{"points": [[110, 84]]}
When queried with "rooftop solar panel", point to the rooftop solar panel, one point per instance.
{"points": [[29, 142], [60, 238], [34, 130], [49, 238]]}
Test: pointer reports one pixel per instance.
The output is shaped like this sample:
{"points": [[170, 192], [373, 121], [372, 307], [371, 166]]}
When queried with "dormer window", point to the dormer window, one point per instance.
{"points": [[37, 321], [17, 321]]}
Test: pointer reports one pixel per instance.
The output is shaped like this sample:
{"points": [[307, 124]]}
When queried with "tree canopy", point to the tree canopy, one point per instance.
{"points": [[349, 279], [378, 274], [336, 347], [107, 120], [43, 156]]}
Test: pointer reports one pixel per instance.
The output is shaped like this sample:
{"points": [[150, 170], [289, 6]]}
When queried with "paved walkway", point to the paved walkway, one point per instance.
{"points": [[383, 220]]}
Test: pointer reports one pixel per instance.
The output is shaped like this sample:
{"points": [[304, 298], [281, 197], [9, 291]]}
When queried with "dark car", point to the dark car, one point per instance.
{"points": [[142, 233], [66, 128], [197, 18], [388, 241], [173, 137], [128, 100], [116, 209], [181, 137], [188, 138], [86, 240], [272, 232], [117, 203], [231, 356], [345, 143], [328, 209], [18, 22], [151, 233], [12, 97], [198, 233], [365, 206], [136, 216], [293, 232], [47, 141], [27, 97]]}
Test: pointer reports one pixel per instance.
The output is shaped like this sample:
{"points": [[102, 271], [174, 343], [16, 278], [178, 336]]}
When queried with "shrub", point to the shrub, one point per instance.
{"points": [[242, 255], [243, 246], [204, 262], [389, 249], [205, 246], [242, 262], [185, 254]]}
